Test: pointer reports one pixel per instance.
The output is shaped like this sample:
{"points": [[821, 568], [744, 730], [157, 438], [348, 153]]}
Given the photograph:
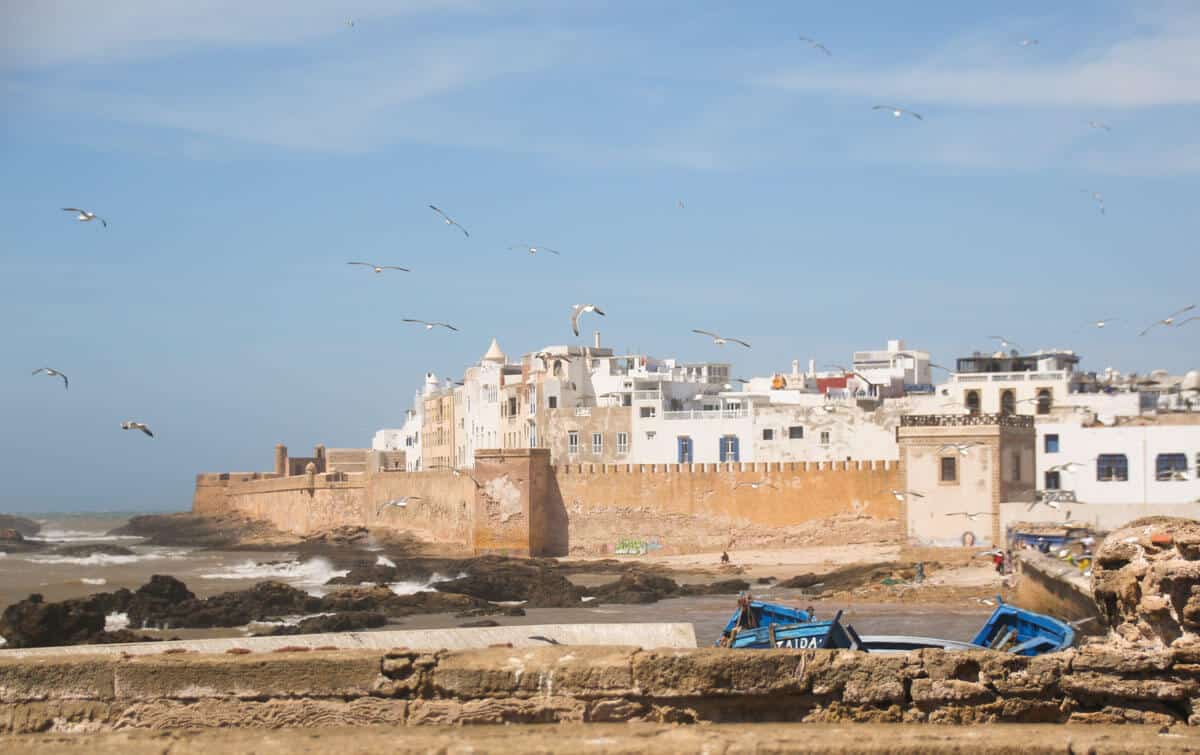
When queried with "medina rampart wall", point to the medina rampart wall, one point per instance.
{"points": [[515, 502]]}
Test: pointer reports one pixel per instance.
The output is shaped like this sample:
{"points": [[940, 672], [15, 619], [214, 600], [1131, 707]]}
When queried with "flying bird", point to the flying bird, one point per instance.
{"points": [[680, 204], [547, 359], [350, 23], [51, 372], [1169, 319], [458, 473], [972, 515], [1099, 125], [137, 426], [578, 310], [1068, 467], [540, 638], [1185, 322], [962, 448], [450, 221], [380, 268], [1005, 343], [84, 216], [1098, 198], [755, 485], [898, 111], [536, 249], [721, 340], [902, 494], [397, 502], [939, 367], [1029, 42], [430, 325], [816, 45], [1102, 323]]}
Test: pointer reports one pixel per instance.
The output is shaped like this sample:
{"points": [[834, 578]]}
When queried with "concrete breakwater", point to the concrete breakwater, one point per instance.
{"points": [[595, 684]]}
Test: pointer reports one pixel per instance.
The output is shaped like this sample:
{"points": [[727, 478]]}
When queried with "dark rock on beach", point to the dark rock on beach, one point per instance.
{"points": [[35, 623], [12, 541], [480, 623], [193, 530], [22, 526], [350, 621], [92, 549]]}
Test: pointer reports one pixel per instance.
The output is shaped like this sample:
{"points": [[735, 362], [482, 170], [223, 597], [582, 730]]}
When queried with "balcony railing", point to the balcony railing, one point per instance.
{"points": [[966, 420], [701, 414], [647, 395]]}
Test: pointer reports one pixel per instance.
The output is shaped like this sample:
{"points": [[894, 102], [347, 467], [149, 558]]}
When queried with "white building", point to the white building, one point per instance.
{"points": [[407, 438], [477, 406], [893, 368], [1131, 460]]}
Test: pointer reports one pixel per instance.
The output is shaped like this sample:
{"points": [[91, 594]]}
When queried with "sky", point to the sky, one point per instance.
{"points": [[242, 153]]}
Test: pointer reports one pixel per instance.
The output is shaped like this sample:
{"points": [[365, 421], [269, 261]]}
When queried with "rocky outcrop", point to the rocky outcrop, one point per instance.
{"points": [[647, 587], [194, 530], [92, 549], [350, 621], [1146, 582], [19, 524], [35, 623]]}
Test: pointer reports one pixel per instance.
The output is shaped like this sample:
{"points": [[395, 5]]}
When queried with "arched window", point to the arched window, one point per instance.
{"points": [[1008, 402], [972, 402], [1044, 401]]}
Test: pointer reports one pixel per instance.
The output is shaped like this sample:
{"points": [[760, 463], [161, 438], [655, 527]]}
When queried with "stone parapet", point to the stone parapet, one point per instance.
{"points": [[589, 684]]}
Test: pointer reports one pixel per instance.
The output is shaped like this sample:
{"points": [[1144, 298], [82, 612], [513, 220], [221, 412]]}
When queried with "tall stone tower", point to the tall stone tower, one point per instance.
{"points": [[960, 465]]}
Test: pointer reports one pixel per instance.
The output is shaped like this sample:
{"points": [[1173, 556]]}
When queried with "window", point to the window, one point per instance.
{"points": [[949, 469], [1008, 402], [1016, 466], [729, 448], [648, 412], [552, 402], [512, 406], [972, 402], [622, 443], [1112, 468], [1044, 401], [824, 437], [1052, 481], [795, 432], [768, 433], [685, 449], [533, 437], [1170, 467], [1050, 443], [532, 403], [572, 442], [597, 443]]}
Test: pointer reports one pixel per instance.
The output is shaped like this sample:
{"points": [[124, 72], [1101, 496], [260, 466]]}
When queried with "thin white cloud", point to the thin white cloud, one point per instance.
{"points": [[49, 32], [1157, 67]]}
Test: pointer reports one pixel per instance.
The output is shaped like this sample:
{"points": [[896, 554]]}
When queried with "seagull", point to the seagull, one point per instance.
{"points": [[1029, 42], [350, 23], [961, 448], [972, 515], [397, 502], [578, 310], [755, 485], [1098, 124], [1039, 498], [137, 426], [536, 249], [380, 268], [816, 45], [458, 473], [939, 367], [985, 602], [901, 494], [430, 325], [1102, 323], [1185, 322], [898, 111], [450, 221], [546, 359], [1068, 467], [1098, 197], [720, 340], [84, 216], [50, 371], [1170, 319], [540, 638], [1005, 343], [680, 204]]}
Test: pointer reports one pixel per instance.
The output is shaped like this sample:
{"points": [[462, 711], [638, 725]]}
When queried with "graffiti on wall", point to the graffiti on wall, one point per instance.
{"points": [[636, 546]]}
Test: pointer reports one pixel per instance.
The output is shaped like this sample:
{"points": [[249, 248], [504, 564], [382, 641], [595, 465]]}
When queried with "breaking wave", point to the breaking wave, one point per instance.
{"points": [[53, 535], [115, 621], [104, 559], [311, 575], [385, 561], [413, 587], [93, 580]]}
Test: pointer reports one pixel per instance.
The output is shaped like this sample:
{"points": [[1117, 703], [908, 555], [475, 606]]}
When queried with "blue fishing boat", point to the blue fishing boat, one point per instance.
{"points": [[760, 625]]}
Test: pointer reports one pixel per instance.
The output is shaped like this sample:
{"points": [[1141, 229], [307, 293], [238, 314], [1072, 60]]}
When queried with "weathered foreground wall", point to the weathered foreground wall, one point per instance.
{"points": [[595, 684]]}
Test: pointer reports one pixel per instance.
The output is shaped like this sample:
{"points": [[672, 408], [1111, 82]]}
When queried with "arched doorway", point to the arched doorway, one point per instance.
{"points": [[1008, 402], [972, 402], [1045, 400]]}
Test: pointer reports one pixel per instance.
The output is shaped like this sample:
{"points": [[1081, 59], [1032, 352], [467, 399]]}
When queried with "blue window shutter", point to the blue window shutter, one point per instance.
{"points": [[736, 450]]}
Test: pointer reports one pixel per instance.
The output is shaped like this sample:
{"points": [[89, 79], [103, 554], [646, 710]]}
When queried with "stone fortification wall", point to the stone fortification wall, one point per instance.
{"points": [[681, 508], [1052, 586], [595, 685], [514, 502]]}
